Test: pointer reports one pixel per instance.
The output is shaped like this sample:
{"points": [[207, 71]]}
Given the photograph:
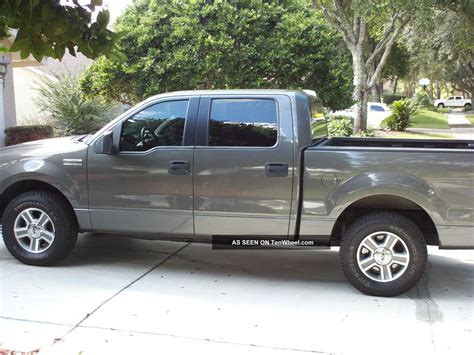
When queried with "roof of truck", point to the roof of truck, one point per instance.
{"points": [[229, 92]]}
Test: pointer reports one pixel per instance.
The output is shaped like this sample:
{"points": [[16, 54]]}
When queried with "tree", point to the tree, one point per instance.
{"points": [[369, 29], [49, 27], [397, 66], [441, 46], [223, 44]]}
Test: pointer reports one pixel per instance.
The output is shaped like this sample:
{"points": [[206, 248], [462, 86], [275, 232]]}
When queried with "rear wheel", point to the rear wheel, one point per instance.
{"points": [[440, 105], [468, 106], [383, 254], [39, 228]]}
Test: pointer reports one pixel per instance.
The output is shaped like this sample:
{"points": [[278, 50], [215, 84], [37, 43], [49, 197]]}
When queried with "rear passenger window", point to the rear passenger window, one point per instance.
{"points": [[243, 123]]}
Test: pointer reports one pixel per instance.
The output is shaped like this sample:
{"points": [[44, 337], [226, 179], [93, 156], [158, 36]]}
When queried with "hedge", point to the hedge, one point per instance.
{"points": [[390, 98], [22, 134]]}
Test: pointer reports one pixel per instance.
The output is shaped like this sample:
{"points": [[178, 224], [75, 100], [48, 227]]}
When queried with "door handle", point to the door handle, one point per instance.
{"points": [[178, 167], [276, 169]]}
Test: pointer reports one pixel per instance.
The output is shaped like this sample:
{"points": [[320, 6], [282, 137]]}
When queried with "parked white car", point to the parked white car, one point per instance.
{"points": [[453, 101], [376, 113]]}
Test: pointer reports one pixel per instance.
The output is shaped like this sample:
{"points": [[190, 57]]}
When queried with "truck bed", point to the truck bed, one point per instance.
{"points": [[429, 175], [395, 143]]}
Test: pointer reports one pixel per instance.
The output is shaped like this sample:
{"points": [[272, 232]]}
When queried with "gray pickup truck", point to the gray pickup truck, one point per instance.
{"points": [[201, 164]]}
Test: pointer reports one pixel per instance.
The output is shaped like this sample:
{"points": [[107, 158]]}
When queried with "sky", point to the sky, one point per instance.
{"points": [[116, 7]]}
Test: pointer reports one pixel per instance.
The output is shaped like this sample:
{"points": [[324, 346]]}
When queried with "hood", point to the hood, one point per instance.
{"points": [[42, 149]]}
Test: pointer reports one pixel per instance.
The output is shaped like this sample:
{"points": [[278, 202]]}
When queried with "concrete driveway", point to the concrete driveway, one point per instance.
{"points": [[121, 295]]}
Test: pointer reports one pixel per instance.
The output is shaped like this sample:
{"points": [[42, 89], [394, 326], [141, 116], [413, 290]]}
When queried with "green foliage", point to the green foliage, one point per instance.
{"points": [[441, 45], [22, 134], [422, 99], [69, 110], [398, 63], [49, 27], [438, 109], [365, 134], [343, 126], [390, 98], [402, 111], [340, 126], [220, 45]]}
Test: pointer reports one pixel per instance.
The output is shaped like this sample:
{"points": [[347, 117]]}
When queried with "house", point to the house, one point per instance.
{"points": [[7, 94], [27, 78]]}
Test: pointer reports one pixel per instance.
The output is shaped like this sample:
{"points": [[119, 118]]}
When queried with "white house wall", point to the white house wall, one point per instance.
{"points": [[26, 79]]}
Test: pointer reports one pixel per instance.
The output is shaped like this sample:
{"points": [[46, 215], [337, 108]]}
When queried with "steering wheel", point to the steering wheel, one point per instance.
{"points": [[146, 136]]}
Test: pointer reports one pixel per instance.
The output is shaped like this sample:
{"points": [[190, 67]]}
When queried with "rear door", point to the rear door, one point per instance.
{"points": [[458, 101], [243, 165]]}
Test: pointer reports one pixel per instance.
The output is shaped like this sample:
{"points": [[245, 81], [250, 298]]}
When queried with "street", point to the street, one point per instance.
{"points": [[116, 293]]}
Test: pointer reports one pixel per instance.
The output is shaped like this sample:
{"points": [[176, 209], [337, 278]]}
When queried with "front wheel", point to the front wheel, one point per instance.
{"points": [[39, 228], [383, 254]]}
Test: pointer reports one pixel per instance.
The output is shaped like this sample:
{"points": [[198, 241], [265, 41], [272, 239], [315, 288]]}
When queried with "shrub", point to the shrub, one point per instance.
{"points": [[363, 134], [340, 126], [402, 111], [70, 111], [388, 99], [440, 110], [422, 99], [22, 134]]}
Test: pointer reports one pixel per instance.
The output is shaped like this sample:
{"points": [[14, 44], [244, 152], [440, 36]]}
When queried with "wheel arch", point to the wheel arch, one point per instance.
{"points": [[386, 202], [22, 186]]}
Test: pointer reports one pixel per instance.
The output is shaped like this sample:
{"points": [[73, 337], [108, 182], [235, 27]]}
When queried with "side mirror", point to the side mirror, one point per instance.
{"points": [[108, 143]]}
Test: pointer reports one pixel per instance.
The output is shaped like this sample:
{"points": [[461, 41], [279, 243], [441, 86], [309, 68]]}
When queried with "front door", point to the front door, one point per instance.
{"points": [[147, 187], [243, 166]]}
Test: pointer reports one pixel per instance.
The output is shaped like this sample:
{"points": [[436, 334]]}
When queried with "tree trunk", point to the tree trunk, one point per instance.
{"points": [[377, 92], [395, 83], [360, 91], [437, 87]]}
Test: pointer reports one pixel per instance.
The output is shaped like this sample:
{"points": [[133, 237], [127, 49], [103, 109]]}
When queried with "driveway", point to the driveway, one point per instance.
{"points": [[121, 295]]}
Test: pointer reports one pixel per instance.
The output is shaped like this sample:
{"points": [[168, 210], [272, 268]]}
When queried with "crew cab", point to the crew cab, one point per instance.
{"points": [[453, 101], [243, 163]]}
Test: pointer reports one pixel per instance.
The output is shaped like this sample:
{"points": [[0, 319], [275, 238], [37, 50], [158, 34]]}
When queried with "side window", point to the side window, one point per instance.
{"points": [[159, 125], [458, 98], [450, 98], [243, 123]]}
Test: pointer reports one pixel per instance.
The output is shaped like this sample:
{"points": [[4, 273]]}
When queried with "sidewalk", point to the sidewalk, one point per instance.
{"points": [[459, 126]]}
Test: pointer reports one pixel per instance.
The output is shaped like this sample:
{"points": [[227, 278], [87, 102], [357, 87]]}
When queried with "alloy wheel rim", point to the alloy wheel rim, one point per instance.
{"points": [[383, 256], [34, 230]]}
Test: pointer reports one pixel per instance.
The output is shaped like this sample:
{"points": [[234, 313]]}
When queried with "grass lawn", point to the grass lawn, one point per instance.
{"points": [[413, 135], [429, 119], [470, 117]]}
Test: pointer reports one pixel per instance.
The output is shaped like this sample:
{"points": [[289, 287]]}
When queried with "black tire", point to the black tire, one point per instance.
{"points": [[61, 216], [467, 106], [440, 105], [393, 223]]}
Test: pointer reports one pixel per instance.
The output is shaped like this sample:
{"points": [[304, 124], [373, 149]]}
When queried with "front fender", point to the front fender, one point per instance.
{"points": [[69, 180]]}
